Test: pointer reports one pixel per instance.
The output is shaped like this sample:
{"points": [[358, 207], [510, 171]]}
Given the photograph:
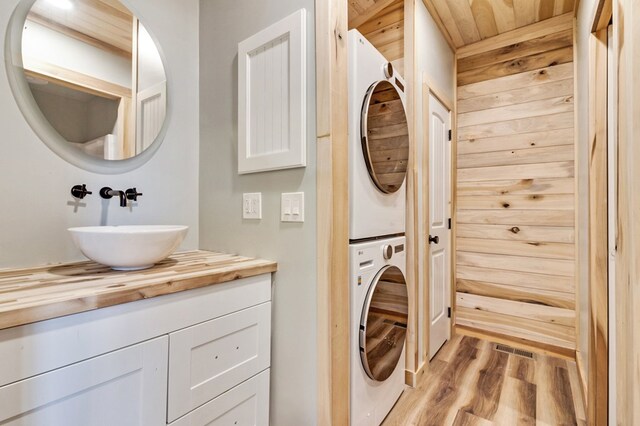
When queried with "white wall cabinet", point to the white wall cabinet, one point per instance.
{"points": [[209, 365]]}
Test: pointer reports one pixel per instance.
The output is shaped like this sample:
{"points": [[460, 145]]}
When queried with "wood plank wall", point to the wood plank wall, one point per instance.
{"points": [[386, 32], [515, 191]]}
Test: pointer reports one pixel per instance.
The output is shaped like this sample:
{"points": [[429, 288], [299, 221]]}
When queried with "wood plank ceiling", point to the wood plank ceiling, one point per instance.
{"points": [[104, 23], [470, 21], [465, 22]]}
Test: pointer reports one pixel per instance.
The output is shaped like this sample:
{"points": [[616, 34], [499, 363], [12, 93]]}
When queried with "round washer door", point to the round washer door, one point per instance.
{"points": [[385, 136], [383, 324]]}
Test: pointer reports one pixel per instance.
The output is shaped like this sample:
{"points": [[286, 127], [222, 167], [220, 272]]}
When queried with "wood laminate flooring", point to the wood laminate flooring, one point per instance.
{"points": [[470, 383]]}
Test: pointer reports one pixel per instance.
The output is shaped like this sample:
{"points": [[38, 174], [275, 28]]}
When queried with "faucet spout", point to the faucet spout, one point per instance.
{"points": [[108, 193]]}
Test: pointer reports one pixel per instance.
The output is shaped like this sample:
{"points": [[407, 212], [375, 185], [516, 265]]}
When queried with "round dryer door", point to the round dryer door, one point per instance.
{"points": [[385, 136], [383, 325]]}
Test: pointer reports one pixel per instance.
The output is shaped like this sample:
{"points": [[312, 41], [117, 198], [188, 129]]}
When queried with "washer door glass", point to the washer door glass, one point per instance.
{"points": [[385, 136], [383, 326]]}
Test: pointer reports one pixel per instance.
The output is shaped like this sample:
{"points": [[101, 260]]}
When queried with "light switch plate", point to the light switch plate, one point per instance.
{"points": [[252, 205], [292, 207]]}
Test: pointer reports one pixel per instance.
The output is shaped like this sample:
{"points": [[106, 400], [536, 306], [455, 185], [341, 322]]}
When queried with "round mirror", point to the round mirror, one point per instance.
{"points": [[90, 80], [384, 324], [385, 137]]}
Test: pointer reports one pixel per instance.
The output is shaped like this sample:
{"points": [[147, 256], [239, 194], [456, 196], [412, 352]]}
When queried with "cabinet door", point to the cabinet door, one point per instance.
{"points": [[245, 405], [125, 387], [210, 358]]}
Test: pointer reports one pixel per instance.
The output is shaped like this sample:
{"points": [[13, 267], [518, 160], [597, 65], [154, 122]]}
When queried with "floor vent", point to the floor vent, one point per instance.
{"points": [[513, 351]]}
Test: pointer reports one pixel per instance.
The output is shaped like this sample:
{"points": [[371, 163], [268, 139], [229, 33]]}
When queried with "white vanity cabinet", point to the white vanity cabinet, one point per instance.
{"points": [[196, 357]]}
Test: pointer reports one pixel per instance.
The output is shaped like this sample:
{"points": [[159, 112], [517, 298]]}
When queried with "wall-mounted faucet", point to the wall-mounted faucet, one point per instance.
{"points": [[108, 193]]}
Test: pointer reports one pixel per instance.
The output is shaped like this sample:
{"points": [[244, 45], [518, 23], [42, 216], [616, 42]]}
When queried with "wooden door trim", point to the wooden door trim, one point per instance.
{"points": [[598, 364], [333, 214]]}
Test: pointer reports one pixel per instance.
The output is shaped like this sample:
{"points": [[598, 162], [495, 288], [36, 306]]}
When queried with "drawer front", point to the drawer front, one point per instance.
{"points": [[126, 387], [208, 359], [245, 405]]}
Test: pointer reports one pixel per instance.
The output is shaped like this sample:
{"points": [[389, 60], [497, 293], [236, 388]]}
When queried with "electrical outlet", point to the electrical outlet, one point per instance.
{"points": [[292, 208], [252, 205]]}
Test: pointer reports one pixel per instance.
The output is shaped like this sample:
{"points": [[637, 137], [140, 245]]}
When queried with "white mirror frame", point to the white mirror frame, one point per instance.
{"points": [[39, 123]]}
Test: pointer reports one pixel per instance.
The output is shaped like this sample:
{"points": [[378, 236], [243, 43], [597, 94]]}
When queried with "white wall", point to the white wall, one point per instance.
{"points": [[52, 47], [150, 68], [435, 58], [223, 24], [583, 32], [36, 206]]}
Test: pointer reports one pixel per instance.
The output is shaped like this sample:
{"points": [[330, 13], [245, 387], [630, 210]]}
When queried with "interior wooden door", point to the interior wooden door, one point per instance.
{"points": [[439, 232]]}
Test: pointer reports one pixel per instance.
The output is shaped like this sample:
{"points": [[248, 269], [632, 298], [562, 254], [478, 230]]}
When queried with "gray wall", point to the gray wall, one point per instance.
{"points": [[583, 32], [36, 207], [223, 24]]}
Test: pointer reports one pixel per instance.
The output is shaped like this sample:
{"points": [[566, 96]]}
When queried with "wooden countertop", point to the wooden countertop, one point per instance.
{"points": [[36, 294]]}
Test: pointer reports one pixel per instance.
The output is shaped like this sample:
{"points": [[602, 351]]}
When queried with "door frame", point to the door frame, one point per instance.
{"points": [[429, 87], [598, 361]]}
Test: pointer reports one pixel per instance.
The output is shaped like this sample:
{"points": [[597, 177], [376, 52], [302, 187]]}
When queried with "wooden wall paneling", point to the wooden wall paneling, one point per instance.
{"points": [[524, 11], [522, 64], [484, 18], [598, 234], [519, 217], [515, 215], [360, 13], [518, 35], [386, 31], [333, 210], [626, 15], [426, 129], [516, 81]]}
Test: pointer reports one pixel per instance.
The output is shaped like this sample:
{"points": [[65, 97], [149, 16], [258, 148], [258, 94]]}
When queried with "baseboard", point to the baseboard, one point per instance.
{"points": [[517, 342], [582, 373]]}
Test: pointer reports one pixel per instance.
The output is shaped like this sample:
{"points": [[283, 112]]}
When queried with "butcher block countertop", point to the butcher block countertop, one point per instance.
{"points": [[36, 294]]}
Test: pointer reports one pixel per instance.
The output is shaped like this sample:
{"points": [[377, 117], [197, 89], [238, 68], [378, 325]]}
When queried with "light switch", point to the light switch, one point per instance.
{"points": [[252, 205], [292, 207]]}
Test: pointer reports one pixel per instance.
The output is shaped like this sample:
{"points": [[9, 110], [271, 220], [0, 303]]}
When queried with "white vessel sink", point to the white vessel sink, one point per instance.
{"points": [[128, 248]]}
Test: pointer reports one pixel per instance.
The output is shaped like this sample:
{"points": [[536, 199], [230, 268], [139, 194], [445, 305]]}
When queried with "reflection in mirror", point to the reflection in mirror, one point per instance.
{"points": [[96, 75]]}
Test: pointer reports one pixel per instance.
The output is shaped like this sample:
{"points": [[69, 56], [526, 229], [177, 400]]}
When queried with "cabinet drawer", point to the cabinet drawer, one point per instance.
{"points": [[208, 359], [245, 405], [126, 387]]}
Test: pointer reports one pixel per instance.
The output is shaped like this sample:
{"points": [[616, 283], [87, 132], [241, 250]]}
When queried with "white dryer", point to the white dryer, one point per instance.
{"points": [[378, 143], [378, 318]]}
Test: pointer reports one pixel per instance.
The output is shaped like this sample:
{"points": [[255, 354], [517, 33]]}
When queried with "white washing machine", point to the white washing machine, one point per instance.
{"points": [[378, 318], [378, 143]]}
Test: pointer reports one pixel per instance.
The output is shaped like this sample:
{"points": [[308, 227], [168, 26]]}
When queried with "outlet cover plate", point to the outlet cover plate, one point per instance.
{"points": [[252, 205], [292, 207]]}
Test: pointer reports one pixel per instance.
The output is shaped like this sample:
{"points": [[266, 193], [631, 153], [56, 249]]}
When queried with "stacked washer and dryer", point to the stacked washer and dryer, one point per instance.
{"points": [[378, 156]]}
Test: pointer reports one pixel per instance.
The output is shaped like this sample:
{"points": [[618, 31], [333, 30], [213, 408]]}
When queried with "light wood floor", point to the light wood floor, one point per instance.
{"points": [[470, 383]]}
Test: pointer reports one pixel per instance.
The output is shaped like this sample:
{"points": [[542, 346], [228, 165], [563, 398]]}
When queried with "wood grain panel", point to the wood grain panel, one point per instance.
{"points": [[547, 234], [536, 108], [461, 10], [517, 186], [517, 293], [516, 202], [515, 127], [517, 96], [538, 45], [519, 141], [548, 314], [517, 156], [517, 217], [516, 81], [385, 29], [530, 248], [563, 268], [516, 66], [484, 17], [552, 334], [525, 171], [535, 281]]}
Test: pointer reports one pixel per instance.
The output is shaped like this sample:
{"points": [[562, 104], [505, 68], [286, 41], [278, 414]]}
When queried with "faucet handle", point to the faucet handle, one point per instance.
{"points": [[133, 194], [80, 191]]}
